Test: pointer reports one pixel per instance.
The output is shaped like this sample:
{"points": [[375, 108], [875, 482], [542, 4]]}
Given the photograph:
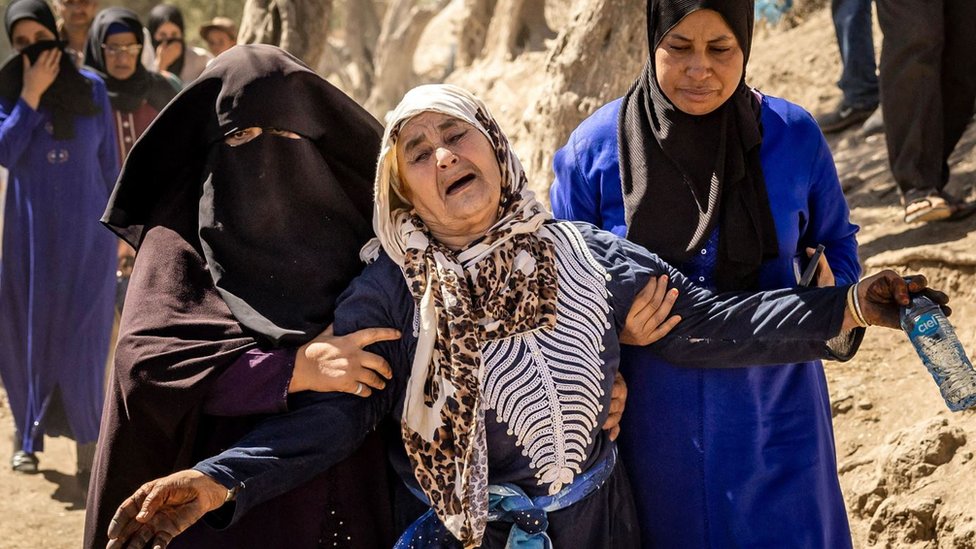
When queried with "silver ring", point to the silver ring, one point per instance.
{"points": [[359, 388]]}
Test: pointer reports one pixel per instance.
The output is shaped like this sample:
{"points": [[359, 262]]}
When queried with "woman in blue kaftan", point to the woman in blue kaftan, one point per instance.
{"points": [[57, 272], [718, 458]]}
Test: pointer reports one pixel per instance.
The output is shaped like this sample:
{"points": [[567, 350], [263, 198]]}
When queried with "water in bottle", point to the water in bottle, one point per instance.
{"points": [[939, 348]]}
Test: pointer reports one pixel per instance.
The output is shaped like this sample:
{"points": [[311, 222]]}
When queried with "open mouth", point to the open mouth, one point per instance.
{"points": [[460, 184]]}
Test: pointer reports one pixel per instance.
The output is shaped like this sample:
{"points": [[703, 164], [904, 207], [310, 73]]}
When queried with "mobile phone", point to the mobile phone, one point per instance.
{"points": [[811, 269]]}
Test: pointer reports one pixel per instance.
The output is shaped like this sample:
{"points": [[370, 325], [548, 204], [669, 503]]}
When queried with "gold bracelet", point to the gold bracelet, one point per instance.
{"points": [[857, 307], [232, 494], [852, 306]]}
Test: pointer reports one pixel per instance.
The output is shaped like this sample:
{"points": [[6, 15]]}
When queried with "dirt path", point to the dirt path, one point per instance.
{"points": [[42, 510]]}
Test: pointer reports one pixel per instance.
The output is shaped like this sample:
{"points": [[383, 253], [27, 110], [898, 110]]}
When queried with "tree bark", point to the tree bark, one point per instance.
{"points": [[518, 25], [474, 24], [297, 26], [403, 25], [594, 61]]}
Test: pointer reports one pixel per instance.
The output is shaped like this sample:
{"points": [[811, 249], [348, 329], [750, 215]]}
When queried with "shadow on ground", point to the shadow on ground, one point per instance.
{"points": [[68, 489]]}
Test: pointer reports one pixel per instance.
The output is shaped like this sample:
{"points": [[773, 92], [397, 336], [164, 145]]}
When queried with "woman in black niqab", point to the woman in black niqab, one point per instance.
{"points": [[238, 247], [683, 175]]}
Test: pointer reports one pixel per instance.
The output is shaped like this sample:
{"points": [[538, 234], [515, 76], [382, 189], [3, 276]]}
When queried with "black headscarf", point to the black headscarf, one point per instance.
{"points": [[143, 86], [70, 94], [280, 220], [684, 174], [168, 13]]}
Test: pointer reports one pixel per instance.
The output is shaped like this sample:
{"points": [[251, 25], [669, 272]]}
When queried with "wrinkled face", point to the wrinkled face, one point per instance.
{"points": [[76, 14], [699, 63], [219, 41], [450, 175], [166, 32], [121, 55], [26, 32]]}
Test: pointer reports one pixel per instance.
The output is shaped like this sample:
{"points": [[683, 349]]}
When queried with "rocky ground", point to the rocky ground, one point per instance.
{"points": [[906, 463]]}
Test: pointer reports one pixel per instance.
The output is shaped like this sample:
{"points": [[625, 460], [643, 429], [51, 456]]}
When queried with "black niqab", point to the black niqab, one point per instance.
{"points": [[280, 221], [238, 247], [168, 13], [70, 94], [683, 174], [143, 86]]}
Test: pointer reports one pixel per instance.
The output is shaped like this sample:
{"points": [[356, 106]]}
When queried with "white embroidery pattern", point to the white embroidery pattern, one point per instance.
{"points": [[547, 385]]}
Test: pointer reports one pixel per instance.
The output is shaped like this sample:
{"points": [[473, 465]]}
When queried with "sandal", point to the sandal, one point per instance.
{"points": [[24, 462], [928, 208]]}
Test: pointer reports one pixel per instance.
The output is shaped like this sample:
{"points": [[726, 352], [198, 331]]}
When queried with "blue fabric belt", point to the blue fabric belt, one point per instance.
{"points": [[509, 503]]}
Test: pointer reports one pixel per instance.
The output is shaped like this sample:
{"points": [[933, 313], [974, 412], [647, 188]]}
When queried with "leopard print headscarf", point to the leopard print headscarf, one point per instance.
{"points": [[500, 285]]}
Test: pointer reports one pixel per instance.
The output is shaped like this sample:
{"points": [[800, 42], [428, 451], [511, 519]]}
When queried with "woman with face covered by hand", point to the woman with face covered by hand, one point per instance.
{"points": [[58, 266], [248, 200], [511, 325], [173, 56], [734, 188]]}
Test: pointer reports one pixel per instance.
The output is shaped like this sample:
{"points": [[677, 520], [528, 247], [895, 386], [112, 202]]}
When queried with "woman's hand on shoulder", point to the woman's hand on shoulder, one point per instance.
{"points": [[39, 76], [331, 363], [648, 319]]}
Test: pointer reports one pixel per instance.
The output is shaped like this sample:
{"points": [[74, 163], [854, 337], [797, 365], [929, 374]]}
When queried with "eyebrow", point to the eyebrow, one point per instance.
{"points": [[412, 143], [722, 38]]}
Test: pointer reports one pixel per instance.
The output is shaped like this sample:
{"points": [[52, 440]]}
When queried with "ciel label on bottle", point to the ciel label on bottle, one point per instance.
{"points": [[925, 324]]}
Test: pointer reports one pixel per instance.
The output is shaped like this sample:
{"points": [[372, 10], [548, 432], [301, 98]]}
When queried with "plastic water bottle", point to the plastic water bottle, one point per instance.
{"points": [[939, 348]]}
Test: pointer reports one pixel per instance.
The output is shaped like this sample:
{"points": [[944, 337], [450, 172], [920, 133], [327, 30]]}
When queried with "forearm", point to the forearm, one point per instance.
{"points": [[740, 329], [286, 450]]}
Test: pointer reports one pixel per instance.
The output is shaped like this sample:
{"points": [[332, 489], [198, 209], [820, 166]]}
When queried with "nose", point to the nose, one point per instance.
{"points": [[445, 158], [699, 68]]}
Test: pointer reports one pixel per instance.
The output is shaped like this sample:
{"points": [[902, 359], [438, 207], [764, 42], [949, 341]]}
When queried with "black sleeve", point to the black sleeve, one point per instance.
{"points": [[732, 329], [320, 429]]}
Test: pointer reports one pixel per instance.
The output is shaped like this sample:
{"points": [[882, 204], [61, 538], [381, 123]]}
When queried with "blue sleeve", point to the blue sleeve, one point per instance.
{"points": [[572, 195], [723, 330], [108, 150], [830, 217], [16, 127], [320, 429]]}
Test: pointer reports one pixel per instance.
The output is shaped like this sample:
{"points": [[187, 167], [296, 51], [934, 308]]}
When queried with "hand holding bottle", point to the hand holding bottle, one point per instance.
{"points": [[880, 297]]}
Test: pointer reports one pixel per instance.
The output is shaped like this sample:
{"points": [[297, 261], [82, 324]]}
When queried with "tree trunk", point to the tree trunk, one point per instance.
{"points": [[590, 64], [297, 26], [403, 25], [518, 25], [474, 25]]}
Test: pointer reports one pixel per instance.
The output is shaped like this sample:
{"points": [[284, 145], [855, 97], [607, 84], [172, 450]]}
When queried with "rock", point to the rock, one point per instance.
{"points": [[841, 406], [916, 452], [899, 523], [865, 404], [869, 493], [906, 457]]}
